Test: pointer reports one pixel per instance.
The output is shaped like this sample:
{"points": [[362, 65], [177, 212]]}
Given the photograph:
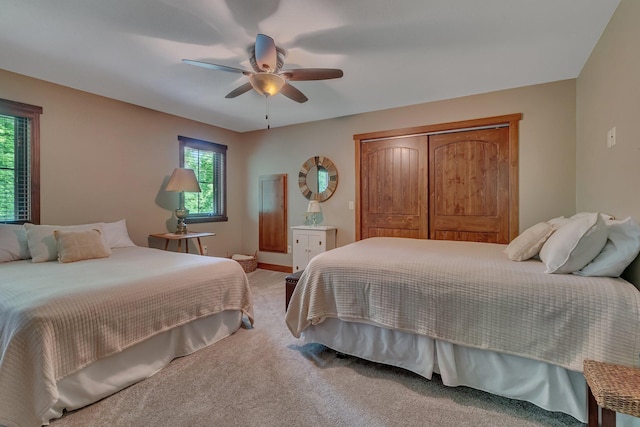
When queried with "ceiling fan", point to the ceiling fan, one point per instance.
{"points": [[268, 78]]}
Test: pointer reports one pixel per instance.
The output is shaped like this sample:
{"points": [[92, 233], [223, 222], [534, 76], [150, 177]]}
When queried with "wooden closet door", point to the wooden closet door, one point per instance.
{"points": [[393, 181], [469, 186]]}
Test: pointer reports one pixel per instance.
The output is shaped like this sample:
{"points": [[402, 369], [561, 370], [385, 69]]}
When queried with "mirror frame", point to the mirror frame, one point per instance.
{"points": [[333, 178]]}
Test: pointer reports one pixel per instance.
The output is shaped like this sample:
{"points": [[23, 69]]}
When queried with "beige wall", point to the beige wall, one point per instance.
{"points": [[103, 160], [547, 154], [608, 95]]}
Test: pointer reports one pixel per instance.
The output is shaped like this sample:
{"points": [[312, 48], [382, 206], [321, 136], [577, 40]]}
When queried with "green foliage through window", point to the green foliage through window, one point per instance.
{"points": [[14, 168], [208, 160], [19, 162]]}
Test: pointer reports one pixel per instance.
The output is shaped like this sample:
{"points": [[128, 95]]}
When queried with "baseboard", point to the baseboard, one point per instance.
{"points": [[275, 267]]}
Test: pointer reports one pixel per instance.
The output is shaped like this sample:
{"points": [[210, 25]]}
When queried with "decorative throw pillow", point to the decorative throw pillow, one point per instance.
{"points": [[116, 234], [42, 242], [622, 247], [574, 244], [13, 243], [80, 245], [529, 242]]}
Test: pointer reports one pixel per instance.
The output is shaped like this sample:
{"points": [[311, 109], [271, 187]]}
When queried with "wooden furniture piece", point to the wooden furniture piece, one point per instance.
{"points": [[290, 285], [611, 388], [272, 219], [450, 181], [180, 237], [309, 241]]}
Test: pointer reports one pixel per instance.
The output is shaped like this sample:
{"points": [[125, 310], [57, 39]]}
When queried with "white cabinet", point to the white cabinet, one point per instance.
{"points": [[309, 241]]}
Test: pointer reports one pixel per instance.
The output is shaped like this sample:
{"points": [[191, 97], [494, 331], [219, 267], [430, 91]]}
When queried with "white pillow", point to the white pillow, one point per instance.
{"points": [[529, 242], [574, 244], [42, 243], [116, 234], [13, 243], [604, 216], [558, 222], [622, 247]]}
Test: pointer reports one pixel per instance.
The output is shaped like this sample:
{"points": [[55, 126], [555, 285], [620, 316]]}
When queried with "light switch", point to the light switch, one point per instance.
{"points": [[350, 205], [611, 137]]}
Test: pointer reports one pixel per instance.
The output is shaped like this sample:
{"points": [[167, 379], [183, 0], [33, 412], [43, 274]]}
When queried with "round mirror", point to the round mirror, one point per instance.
{"points": [[318, 178]]}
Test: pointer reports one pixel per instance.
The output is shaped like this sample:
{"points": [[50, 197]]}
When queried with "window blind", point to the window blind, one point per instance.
{"points": [[15, 175]]}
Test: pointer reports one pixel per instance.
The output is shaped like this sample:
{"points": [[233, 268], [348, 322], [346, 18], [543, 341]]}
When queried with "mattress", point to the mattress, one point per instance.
{"points": [[57, 319], [471, 294]]}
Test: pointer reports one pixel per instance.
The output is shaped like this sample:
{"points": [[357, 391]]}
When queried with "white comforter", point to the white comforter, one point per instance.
{"points": [[471, 294], [58, 318]]}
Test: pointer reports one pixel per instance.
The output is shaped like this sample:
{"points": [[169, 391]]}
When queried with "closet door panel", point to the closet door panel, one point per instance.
{"points": [[469, 185], [393, 178]]}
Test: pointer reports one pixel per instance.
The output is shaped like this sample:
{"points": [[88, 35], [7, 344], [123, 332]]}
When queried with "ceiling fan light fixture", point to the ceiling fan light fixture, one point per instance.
{"points": [[267, 84]]}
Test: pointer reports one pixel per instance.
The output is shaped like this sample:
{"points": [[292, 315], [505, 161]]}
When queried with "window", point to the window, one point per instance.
{"points": [[19, 162], [209, 161]]}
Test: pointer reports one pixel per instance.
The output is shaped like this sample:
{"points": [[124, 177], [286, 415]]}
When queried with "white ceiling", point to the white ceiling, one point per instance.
{"points": [[393, 53]]}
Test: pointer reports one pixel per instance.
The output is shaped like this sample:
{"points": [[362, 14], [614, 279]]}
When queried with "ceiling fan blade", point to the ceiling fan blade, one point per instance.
{"points": [[239, 90], [300, 74], [265, 53], [217, 67], [293, 93]]}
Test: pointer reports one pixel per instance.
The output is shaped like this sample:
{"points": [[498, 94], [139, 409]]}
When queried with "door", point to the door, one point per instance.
{"points": [[469, 186], [300, 254], [455, 181], [393, 177]]}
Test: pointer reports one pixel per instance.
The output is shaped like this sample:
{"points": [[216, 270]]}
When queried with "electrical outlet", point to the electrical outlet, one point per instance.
{"points": [[205, 250], [289, 249]]}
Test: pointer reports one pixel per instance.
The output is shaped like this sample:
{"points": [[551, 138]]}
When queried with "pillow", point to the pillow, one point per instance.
{"points": [[558, 222], [116, 234], [529, 242], [13, 243], [622, 247], [574, 244], [604, 216], [80, 245], [42, 242]]}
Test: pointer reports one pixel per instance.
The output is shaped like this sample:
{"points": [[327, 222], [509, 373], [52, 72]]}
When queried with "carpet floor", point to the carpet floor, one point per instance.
{"points": [[263, 376]]}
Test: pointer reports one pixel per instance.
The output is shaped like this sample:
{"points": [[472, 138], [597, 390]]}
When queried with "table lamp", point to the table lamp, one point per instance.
{"points": [[183, 180], [314, 208]]}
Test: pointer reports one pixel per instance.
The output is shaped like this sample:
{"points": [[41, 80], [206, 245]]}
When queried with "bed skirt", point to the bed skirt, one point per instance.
{"points": [[548, 386], [112, 374]]}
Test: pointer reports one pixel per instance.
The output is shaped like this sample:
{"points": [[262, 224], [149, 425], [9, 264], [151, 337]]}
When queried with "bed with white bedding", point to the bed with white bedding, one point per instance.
{"points": [[73, 333], [467, 312]]}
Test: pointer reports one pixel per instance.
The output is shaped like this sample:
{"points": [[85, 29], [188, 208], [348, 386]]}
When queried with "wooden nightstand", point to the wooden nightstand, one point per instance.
{"points": [[613, 388], [180, 237]]}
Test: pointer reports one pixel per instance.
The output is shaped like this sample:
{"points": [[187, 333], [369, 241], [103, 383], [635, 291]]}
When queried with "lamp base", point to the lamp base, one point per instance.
{"points": [[181, 214]]}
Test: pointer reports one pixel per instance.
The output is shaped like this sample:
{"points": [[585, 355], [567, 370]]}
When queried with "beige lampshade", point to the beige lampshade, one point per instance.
{"points": [[183, 180], [313, 207]]}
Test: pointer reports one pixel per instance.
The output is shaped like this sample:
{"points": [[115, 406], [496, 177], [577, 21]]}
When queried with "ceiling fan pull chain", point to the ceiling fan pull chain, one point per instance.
{"points": [[266, 97]]}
